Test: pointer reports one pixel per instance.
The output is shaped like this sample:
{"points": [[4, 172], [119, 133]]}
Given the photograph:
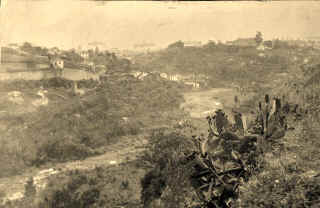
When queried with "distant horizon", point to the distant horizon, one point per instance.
{"points": [[124, 25], [155, 47]]}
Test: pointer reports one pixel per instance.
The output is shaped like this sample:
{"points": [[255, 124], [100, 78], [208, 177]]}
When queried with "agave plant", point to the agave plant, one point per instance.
{"points": [[216, 188]]}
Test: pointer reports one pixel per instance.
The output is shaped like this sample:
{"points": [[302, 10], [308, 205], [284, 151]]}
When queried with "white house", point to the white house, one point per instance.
{"points": [[164, 75], [135, 73], [142, 75], [175, 77], [57, 63], [194, 84], [84, 54]]}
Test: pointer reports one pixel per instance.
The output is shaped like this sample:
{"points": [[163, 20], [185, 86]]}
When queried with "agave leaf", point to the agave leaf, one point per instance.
{"points": [[204, 186], [211, 188], [203, 173]]}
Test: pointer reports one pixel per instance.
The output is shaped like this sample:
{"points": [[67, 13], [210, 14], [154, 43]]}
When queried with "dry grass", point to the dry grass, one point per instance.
{"points": [[288, 178]]}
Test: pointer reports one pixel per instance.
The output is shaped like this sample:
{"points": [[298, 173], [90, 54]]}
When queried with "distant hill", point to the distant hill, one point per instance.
{"points": [[9, 55], [226, 63]]}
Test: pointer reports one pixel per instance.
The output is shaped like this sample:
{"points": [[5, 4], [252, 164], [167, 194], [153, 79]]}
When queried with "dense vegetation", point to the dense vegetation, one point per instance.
{"points": [[77, 127]]}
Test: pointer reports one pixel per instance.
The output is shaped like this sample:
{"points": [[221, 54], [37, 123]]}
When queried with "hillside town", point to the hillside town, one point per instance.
{"points": [[171, 105]]}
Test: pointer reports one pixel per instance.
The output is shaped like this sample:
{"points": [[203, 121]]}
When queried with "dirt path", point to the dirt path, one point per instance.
{"points": [[199, 103]]}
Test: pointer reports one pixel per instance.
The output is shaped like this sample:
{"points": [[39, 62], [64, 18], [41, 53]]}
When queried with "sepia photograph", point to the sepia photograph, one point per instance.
{"points": [[140, 104]]}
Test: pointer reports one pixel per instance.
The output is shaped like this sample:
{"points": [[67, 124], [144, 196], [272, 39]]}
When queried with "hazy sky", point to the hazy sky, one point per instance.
{"points": [[70, 23]]}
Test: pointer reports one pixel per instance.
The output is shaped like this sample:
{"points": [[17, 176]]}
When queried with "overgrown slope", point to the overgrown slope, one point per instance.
{"points": [[77, 127]]}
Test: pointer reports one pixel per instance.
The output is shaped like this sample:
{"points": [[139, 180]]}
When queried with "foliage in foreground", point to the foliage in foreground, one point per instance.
{"points": [[102, 187], [291, 175]]}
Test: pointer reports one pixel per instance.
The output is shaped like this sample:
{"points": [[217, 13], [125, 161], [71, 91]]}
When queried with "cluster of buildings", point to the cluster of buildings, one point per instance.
{"points": [[57, 60], [194, 80], [86, 62]]}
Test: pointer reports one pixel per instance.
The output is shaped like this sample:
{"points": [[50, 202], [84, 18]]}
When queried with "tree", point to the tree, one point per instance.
{"points": [[91, 53], [26, 47], [280, 44], [268, 43], [236, 100], [178, 44], [96, 51], [37, 50], [258, 38], [210, 45]]}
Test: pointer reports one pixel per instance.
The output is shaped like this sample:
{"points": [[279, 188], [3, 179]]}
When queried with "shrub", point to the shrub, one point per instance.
{"points": [[60, 150], [101, 187], [168, 177], [30, 189]]}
